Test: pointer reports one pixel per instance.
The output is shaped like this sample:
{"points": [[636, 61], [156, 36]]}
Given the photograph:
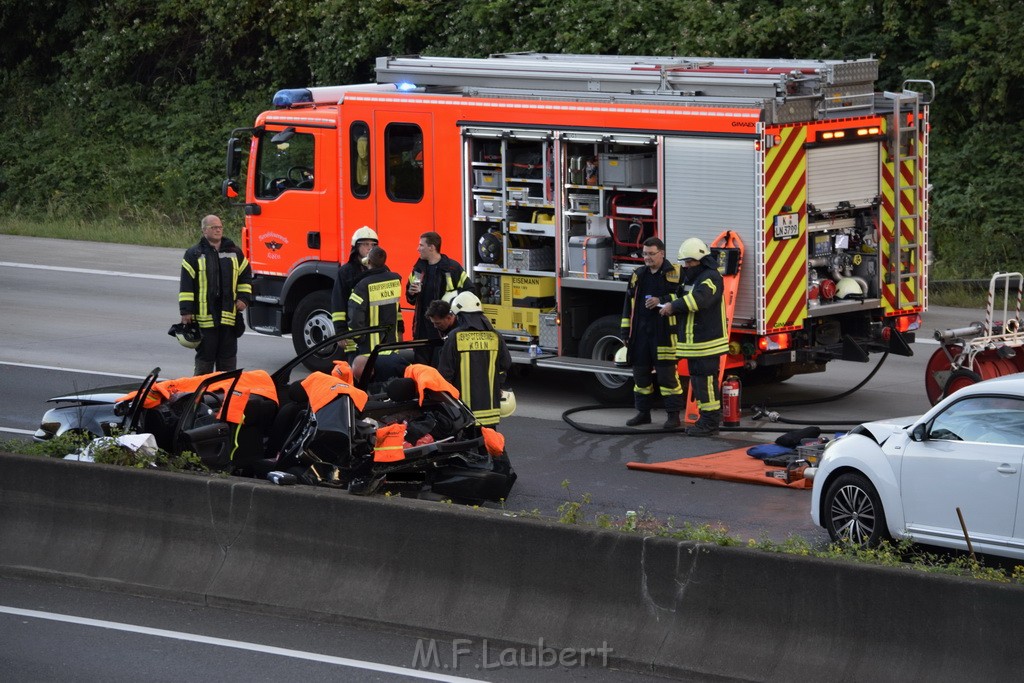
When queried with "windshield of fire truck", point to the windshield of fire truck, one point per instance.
{"points": [[283, 166]]}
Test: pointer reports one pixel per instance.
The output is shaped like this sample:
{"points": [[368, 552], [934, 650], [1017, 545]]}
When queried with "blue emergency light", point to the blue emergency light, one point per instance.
{"points": [[286, 98]]}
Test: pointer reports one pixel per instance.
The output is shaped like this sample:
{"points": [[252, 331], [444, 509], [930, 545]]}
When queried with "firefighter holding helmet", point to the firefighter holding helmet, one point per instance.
{"points": [[703, 332], [349, 273], [651, 338]]}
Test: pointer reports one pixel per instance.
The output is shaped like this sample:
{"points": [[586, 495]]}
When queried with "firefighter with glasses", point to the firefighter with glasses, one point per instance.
{"points": [[703, 333], [215, 287], [649, 331]]}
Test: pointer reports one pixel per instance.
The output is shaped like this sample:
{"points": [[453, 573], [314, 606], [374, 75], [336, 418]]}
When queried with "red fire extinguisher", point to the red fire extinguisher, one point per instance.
{"points": [[731, 401]]}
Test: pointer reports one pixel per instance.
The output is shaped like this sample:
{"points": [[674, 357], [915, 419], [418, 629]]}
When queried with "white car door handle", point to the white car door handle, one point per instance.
{"points": [[1006, 469]]}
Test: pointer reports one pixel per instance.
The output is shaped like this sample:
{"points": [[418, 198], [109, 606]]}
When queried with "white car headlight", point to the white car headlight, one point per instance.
{"points": [[828, 447]]}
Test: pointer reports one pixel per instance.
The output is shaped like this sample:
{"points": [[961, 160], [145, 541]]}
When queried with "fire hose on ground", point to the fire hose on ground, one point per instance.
{"points": [[761, 411]]}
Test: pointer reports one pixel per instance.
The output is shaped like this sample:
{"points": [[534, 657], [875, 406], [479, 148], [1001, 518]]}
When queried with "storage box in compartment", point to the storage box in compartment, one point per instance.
{"points": [[536, 258], [548, 331], [626, 170], [531, 229], [488, 206], [522, 194], [486, 178], [590, 257], [589, 203], [527, 320]]}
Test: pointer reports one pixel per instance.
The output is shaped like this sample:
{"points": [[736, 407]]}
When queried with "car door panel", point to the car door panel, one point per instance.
{"points": [[940, 476]]}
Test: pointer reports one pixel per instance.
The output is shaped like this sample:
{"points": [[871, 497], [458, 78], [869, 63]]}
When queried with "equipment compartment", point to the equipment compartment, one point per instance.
{"points": [[627, 170]]}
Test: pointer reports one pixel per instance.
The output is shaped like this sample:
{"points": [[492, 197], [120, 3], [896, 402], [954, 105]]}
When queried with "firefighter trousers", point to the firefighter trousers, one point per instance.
{"points": [[644, 364], [704, 372], [218, 350]]}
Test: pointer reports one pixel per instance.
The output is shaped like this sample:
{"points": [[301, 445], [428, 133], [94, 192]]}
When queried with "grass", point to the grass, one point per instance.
{"points": [[106, 451], [957, 295], [887, 554], [154, 230]]}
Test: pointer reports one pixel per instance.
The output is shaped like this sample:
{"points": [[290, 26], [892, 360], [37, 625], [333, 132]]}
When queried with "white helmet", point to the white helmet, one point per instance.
{"points": [[507, 406], [622, 357], [848, 286], [364, 233], [466, 302], [693, 248]]}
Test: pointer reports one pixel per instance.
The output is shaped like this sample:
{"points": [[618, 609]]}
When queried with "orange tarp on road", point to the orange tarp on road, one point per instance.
{"points": [[733, 465]]}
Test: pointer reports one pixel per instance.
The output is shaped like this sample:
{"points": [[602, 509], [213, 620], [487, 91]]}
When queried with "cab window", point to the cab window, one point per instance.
{"points": [[359, 159], [285, 162], [403, 149]]}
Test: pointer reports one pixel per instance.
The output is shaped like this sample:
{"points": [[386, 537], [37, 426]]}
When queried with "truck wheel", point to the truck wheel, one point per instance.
{"points": [[600, 342], [311, 324]]}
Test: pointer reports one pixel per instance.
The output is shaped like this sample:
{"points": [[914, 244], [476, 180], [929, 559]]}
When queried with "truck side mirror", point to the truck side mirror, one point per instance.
{"points": [[234, 159]]}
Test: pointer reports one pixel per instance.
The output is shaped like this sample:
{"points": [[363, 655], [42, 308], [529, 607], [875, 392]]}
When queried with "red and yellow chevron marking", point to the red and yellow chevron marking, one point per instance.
{"points": [[908, 231], [785, 260]]}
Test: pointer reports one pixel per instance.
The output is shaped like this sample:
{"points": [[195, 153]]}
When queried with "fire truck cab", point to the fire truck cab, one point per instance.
{"points": [[545, 173]]}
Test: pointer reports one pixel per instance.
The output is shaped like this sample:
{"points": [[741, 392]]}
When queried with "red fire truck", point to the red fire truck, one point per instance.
{"points": [[544, 173]]}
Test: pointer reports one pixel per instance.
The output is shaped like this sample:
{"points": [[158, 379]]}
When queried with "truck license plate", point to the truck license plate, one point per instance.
{"points": [[787, 226]]}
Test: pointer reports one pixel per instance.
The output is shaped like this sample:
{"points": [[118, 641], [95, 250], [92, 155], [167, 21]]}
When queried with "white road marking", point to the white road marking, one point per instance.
{"points": [[89, 271], [84, 372], [11, 430], [236, 644]]}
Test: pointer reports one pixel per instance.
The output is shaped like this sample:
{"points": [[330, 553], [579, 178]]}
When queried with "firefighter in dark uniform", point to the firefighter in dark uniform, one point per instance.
{"points": [[433, 276], [375, 301], [215, 288], [651, 338], [703, 331], [363, 240], [475, 359]]}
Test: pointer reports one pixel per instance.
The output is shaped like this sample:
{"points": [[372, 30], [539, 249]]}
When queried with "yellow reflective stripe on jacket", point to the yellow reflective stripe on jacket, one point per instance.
{"points": [[202, 315]]}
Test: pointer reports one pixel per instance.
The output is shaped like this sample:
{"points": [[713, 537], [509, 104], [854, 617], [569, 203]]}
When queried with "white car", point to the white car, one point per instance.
{"points": [[906, 478]]}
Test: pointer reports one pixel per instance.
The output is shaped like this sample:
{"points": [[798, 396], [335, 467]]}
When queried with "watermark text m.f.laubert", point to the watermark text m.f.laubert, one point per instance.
{"points": [[465, 653]]}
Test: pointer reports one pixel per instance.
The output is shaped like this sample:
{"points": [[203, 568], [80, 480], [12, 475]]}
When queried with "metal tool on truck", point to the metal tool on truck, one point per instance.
{"points": [[544, 173]]}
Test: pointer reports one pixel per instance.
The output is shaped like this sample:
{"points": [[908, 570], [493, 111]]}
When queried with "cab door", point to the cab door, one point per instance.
{"points": [[404, 179], [290, 182]]}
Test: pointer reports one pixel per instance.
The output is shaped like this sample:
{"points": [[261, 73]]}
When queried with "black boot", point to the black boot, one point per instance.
{"points": [[643, 417], [707, 425], [672, 422]]}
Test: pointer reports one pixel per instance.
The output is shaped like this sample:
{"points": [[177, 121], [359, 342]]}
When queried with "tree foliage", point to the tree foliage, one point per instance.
{"points": [[122, 107]]}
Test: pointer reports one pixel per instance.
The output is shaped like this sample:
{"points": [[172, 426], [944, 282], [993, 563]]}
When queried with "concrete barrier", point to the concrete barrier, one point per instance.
{"points": [[662, 605]]}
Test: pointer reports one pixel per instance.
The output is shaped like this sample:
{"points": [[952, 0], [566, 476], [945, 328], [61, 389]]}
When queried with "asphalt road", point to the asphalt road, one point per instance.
{"points": [[79, 314], [50, 632]]}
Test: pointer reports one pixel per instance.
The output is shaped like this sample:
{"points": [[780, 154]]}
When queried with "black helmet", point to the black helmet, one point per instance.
{"points": [[188, 334]]}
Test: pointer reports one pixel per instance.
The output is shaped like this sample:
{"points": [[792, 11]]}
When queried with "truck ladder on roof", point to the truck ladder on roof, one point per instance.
{"points": [[850, 83]]}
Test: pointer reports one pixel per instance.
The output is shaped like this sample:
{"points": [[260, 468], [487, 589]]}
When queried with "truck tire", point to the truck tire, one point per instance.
{"points": [[600, 342], [312, 324]]}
